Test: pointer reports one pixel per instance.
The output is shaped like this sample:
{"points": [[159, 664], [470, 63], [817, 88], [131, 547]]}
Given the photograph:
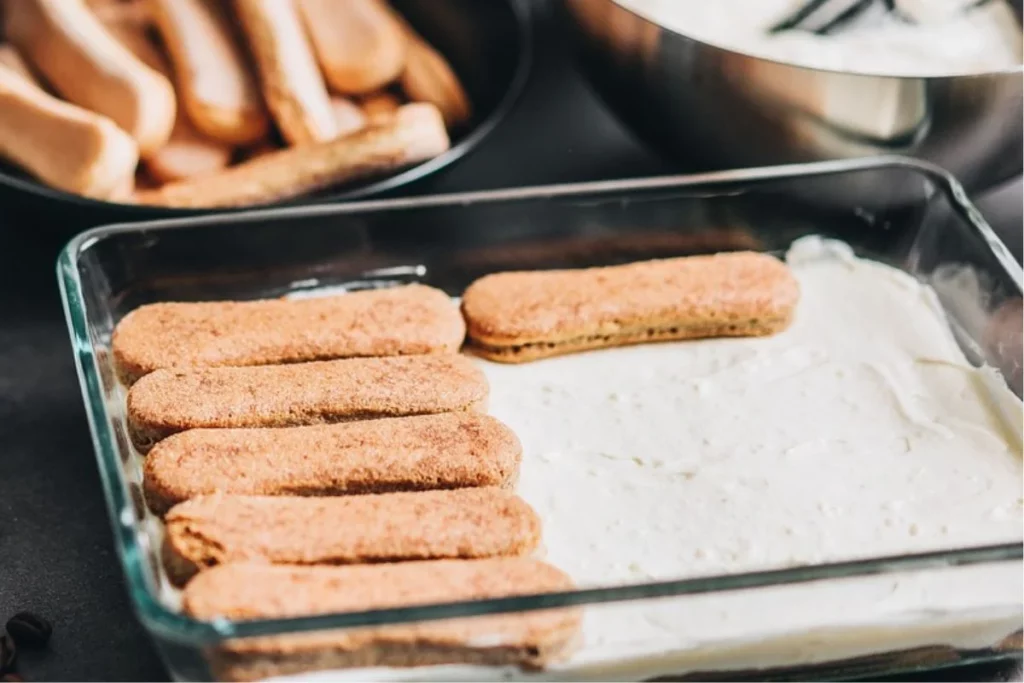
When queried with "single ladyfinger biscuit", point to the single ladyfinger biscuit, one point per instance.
{"points": [[360, 46], [416, 133], [521, 316], [63, 145], [187, 153], [426, 525], [167, 401], [76, 54], [253, 591], [428, 77], [292, 84], [397, 321], [419, 453], [216, 86]]}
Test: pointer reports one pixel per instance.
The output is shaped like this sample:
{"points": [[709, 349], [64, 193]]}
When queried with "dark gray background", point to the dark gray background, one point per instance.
{"points": [[56, 553]]}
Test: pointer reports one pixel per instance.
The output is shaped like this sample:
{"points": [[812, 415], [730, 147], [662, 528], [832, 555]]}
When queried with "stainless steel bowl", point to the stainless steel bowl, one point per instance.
{"points": [[713, 108]]}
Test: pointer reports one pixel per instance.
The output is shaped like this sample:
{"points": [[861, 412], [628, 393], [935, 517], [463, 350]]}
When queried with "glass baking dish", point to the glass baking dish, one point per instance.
{"points": [[915, 217]]}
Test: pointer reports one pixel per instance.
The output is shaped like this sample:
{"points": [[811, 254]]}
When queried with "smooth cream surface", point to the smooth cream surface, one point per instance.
{"points": [[859, 432]]}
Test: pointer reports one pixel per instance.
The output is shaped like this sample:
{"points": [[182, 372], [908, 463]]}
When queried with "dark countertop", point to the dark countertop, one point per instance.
{"points": [[56, 550]]}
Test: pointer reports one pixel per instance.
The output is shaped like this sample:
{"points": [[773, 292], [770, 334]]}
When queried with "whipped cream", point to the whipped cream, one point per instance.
{"points": [[944, 39], [861, 431]]}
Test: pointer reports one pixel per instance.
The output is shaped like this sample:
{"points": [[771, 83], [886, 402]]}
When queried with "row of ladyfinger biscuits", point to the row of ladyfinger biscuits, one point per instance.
{"points": [[268, 508], [449, 531], [192, 108], [554, 312], [510, 316]]}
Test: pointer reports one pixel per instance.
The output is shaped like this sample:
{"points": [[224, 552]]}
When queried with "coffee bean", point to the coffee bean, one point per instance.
{"points": [[29, 630], [8, 653]]}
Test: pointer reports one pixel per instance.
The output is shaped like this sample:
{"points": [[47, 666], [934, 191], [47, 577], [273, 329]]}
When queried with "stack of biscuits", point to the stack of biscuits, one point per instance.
{"points": [[334, 454], [213, 103]]}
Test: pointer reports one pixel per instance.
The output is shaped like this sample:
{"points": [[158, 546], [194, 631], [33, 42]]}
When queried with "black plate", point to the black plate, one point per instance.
{"points": [[488, 43]]}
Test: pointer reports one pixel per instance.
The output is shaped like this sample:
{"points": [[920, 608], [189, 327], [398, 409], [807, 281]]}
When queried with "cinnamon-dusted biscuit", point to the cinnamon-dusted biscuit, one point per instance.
{"points": [[169, 401], [408, 320], [521, 316], [446, 451], [252, 591], [425, 525]]}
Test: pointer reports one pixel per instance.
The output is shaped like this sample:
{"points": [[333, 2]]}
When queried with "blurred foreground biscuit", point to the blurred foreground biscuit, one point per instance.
{"points": [[169, 401], [426, 525], [521, 316], [408, 320], [252, 591], [447, 451]]}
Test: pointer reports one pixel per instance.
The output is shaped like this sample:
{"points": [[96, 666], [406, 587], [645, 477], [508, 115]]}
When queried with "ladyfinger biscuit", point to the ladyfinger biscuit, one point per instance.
{"points": [[397, 321], [187, 153], [428, 77], [253, 591], [360, 46], [292, 84], [424, 452], [76, 54], [61, 144], [521, 316], [216, 86], [415, 134], [169, 401], [392, 527]]}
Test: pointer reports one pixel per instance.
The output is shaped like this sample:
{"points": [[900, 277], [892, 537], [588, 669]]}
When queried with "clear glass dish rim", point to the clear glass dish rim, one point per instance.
{"points": [[175, 626]]}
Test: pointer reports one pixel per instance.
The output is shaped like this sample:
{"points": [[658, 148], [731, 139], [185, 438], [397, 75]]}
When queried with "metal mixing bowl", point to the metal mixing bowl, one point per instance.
{"points": [[710, 107]]}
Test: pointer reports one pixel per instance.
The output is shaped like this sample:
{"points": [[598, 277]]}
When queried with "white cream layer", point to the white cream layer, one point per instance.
{"points": [[861, 431]]}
